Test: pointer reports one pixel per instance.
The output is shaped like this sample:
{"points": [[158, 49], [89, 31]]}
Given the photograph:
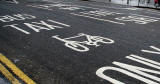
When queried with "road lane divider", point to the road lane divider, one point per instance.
{"points": [[8, 75], [16, 70]]}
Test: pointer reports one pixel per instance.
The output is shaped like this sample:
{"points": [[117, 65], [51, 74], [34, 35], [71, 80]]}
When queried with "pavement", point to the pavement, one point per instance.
{"points": [[78, 42], [135, 3]]}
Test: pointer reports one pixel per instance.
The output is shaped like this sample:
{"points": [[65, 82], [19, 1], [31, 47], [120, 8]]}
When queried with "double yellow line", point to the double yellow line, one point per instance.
{"points": [[15, 70]]}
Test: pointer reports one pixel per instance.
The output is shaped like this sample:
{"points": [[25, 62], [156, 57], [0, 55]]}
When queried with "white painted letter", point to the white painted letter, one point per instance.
{"points": [[6, 18], [14, 26], [140, 71], [47, 25], [36, 28], [154, 52], [100, 71]]}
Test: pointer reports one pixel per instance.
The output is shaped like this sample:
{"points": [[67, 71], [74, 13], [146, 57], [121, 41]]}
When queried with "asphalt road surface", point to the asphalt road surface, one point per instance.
{"points": [[80, 42]]}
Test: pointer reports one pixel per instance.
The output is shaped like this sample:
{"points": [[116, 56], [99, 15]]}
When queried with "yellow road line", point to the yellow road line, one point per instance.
{"points": [[8, 75], [16, 70]]}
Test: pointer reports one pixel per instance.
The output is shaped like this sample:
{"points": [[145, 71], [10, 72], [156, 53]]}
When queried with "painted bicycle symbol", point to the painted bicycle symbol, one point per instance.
{"points": [[80, 45]]}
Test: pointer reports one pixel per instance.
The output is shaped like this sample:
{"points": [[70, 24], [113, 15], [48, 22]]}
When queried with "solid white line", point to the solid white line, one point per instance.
{"points": [[98, 19]]}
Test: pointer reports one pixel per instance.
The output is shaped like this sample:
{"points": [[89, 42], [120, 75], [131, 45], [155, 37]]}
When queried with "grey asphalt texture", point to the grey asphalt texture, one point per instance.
{"points": [[48, 61]]}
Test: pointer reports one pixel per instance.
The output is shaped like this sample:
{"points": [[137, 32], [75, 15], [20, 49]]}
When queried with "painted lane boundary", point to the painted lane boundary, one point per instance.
{"points": [[8, 75], [15, 70]]}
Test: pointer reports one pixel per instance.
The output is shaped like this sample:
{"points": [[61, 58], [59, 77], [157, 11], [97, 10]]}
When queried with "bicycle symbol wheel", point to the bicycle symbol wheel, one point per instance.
{"points": [[77, 47], [104, 40]]}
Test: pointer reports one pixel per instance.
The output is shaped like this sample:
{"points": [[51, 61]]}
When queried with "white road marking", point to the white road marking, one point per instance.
{"points": [[105, 6], [142, 74], [154, 52], [59, 23], [100, 13], [147, 75], [14, 26], [146, 60], [155, 13], [13, 1], [132, 8], [14, 17], [38, 26], [99, 19], [100, 74], [80, 46], [145, 16], [139, 19], [39, 7]]}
